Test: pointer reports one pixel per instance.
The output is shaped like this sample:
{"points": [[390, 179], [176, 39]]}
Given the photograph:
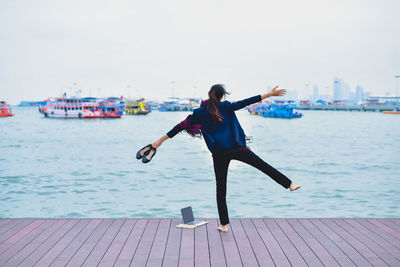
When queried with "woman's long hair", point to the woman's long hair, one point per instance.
{"points": [[216, 92]]}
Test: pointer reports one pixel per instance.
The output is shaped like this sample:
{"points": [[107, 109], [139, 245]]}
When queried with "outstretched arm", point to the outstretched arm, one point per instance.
{"points": [[245, 102], [177, 128], [251, 100], [187, 124]]}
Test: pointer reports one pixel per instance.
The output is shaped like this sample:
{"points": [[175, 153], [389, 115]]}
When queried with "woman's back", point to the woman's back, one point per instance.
{"points": [[226, 133], [221, 133]]}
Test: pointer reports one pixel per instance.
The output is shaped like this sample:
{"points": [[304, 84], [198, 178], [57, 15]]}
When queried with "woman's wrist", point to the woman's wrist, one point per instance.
{"points": [[264, 96], [164, 137]]}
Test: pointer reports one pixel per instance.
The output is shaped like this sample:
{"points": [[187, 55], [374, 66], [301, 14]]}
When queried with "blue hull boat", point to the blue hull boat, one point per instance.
{"points": [[275, 110]]}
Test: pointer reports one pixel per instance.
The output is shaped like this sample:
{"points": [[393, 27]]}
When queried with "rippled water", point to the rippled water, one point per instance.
{"points": [[347, 162]]}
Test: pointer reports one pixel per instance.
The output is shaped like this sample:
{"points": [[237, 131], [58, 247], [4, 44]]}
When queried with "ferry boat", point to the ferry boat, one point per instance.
{"points": [[5, 109], [112, 107], [88, 107], [278, 109], [139, 107]]}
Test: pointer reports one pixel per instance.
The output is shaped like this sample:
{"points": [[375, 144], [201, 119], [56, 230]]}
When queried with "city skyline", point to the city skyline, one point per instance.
{"points": [[342, 92]]}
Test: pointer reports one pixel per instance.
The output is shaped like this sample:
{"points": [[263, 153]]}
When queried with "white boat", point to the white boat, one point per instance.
{"points": [[88, 107]]}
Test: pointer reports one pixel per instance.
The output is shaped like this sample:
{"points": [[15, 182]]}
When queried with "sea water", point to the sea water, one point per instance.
{"points": [[346, 162]]}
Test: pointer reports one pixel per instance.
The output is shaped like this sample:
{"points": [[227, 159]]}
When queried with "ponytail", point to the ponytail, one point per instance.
{"points": [[216, 92]]}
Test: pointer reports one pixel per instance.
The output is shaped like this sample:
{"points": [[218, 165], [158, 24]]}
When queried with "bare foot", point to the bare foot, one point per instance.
{"points": [[294, 187], [223, 228]]}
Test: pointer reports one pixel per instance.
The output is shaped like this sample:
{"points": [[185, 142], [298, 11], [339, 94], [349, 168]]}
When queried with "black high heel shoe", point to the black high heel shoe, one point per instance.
{"points": [[143, 152], [149, 155]]}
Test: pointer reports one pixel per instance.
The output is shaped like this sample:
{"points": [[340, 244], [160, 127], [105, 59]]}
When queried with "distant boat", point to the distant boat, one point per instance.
{"points": [[178, 104], [194, 103], [153, 105], [31, 103], [172, 104], [5, 109], [84, 108], [137, 107], [279, 109], [392, 112]]}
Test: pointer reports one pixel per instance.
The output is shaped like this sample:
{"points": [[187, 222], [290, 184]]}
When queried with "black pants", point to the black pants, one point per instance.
{"points": [[221, 159]]}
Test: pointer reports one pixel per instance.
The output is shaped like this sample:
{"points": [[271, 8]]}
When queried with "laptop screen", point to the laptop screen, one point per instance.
{"points": [[187, 214]]}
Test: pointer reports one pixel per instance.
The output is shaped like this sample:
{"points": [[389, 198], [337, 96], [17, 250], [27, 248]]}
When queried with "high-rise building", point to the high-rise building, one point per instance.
{"points": [[315, 93], [359, 93], [341, 90]]}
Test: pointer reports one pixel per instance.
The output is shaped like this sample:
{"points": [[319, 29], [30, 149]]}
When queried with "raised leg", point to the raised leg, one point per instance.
{"points": [[247, 156]]}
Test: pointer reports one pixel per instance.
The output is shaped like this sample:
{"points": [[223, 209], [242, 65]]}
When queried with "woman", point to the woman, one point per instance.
{"points": [[217, 123]]}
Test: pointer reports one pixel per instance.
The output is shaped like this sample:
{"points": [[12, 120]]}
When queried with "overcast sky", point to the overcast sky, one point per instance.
{"points": [[139, 47]]}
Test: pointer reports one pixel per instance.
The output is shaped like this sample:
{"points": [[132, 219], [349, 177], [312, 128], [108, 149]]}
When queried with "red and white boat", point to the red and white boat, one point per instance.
{"points": [[5, 109], [88, 107]]}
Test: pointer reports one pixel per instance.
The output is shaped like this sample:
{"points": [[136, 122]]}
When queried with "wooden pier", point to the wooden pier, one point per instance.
{"points": [[373, 108], [157, 242]]}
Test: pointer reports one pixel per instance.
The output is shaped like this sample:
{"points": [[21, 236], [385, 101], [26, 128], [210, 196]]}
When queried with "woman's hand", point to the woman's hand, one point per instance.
{"points": [[158, 143], [274, 92], [277, 92]]}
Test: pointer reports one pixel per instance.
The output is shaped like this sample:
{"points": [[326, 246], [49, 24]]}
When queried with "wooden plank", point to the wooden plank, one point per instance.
{"points": [[304, 250], [232, 255], [260, 250], [171, 255], [70, 250], [13, 229], [374, 236], [3, 222], [80, 256], [243, 244], [395, 220], [365, 240], [355, 243], [277, 254], [291, 252], [385, 228], [217, 254], [380, 231], [12, 223], [327, 243], [115, 248], [186, 253], [160, 241], [129, 248], [47, 244], [390, 224], [201, 250], [57, 248], [19, 235], [20, 244], [322, 254], [102, 244], [32, 246], [142, 252], [353, 254]]}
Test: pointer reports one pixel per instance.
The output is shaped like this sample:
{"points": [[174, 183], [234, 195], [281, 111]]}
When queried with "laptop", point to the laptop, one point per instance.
{"points": [[188, 218]]}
